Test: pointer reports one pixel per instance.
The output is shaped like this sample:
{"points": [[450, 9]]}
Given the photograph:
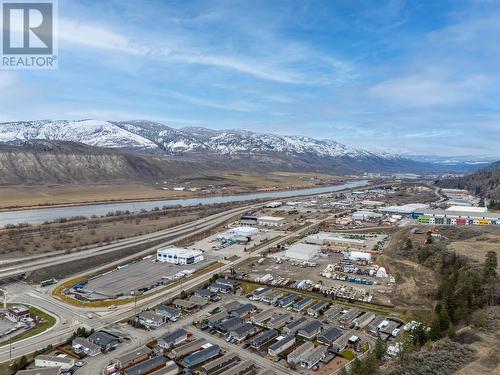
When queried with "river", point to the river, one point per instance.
{"points": [[40, 215]]}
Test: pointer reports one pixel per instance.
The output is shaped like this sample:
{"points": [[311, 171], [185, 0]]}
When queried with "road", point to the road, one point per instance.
{"points": [[170, 235], [75, 317]]}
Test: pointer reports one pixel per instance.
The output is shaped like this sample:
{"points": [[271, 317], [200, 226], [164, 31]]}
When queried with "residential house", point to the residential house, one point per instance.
{"points": [[201, 356], [302, 304], [272, 297], [329, 335], [169, 312], [151, 320], [318, 308], [262, 317], [205, 293], [313, 357], [341, 343], [105, 340], [333, 312], [263, 338], [244, 310], [288, 300], [199, 301], [297, 355], [242, 368], [282, 344], [132, 358], [148, 366], [346, 319], [310, 330], [40, 371], [183, 350], [220, 288], [295, 325], [173, 338], [229, 324], [83, 346], [220, 364], [184, 304], [279, 320], [241, 332]]}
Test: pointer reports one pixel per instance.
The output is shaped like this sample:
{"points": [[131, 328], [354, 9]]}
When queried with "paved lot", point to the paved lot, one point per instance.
{"points": [[5, 326], [138, 275]]}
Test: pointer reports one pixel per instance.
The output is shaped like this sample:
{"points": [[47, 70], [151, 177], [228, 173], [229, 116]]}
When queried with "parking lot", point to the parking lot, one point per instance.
{"points": [[136, 276]]}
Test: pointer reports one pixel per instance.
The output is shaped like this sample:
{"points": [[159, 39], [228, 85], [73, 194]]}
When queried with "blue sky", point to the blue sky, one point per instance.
{"points": [[413, 77]]}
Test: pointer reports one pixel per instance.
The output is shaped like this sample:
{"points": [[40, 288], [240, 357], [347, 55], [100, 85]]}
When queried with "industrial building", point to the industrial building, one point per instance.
{"points": [[302, 251], [448, 217], [271, 221], [412, 210], [328, 239], [365, 215], [179, 255], [238, 234], [357, 256]]}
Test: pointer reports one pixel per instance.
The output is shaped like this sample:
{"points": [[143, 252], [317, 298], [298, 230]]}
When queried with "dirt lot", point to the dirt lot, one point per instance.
{"points": [[415, 283], [475, 248], [225, 183], [486, 348]]}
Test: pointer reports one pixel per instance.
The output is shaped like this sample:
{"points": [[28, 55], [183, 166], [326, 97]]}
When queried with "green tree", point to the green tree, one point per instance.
{"points": [[380, 348], [490, 265]]}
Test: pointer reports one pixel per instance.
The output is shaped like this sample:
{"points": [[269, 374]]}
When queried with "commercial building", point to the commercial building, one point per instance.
{"points": [[282, 344], [412, 210], [179, 255], [17, 313], [235, 233], [63, 362], [332, 239], [302, 251], [471, 209], [446, 217], [271, 221]]}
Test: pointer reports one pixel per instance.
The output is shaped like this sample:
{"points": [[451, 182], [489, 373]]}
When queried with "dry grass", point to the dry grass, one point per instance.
{"points": [[476, 248]]}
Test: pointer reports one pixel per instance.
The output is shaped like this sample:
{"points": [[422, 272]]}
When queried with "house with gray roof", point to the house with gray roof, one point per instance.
{"points": [[297, 355], [201, 356], [147, 366], [329, 335], [313, 357], [263, 338], [295, 325], [310, 330], [241, 332], [283, 343], [172, 339], [169, 312]]}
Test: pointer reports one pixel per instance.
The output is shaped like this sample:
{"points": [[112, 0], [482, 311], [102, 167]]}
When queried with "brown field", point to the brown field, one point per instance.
{"points": [[226, 183], [77, 235], [476, 247]]}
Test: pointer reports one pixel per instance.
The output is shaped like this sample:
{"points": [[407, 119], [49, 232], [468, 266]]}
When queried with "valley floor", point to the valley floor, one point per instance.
{"points": [[24, 197]]}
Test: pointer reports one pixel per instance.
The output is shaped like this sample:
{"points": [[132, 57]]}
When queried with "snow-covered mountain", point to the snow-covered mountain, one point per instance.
{"points": [[144, 136], [151, 135]]}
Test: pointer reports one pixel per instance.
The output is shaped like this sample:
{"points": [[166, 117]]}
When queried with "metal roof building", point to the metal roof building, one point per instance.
{"points": [[201, 356]]}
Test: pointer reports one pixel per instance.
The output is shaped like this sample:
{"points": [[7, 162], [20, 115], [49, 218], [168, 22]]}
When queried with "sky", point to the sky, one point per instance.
{"points": [[410, 77]]}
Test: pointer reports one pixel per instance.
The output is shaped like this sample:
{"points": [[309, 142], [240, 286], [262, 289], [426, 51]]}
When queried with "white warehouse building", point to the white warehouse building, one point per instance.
{"points": [[271, 221], [179, 255], [302, 251]]}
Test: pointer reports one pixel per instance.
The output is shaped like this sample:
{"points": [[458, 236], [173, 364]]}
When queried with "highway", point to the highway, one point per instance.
{"points": [[75, 317], [171, 235]]}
